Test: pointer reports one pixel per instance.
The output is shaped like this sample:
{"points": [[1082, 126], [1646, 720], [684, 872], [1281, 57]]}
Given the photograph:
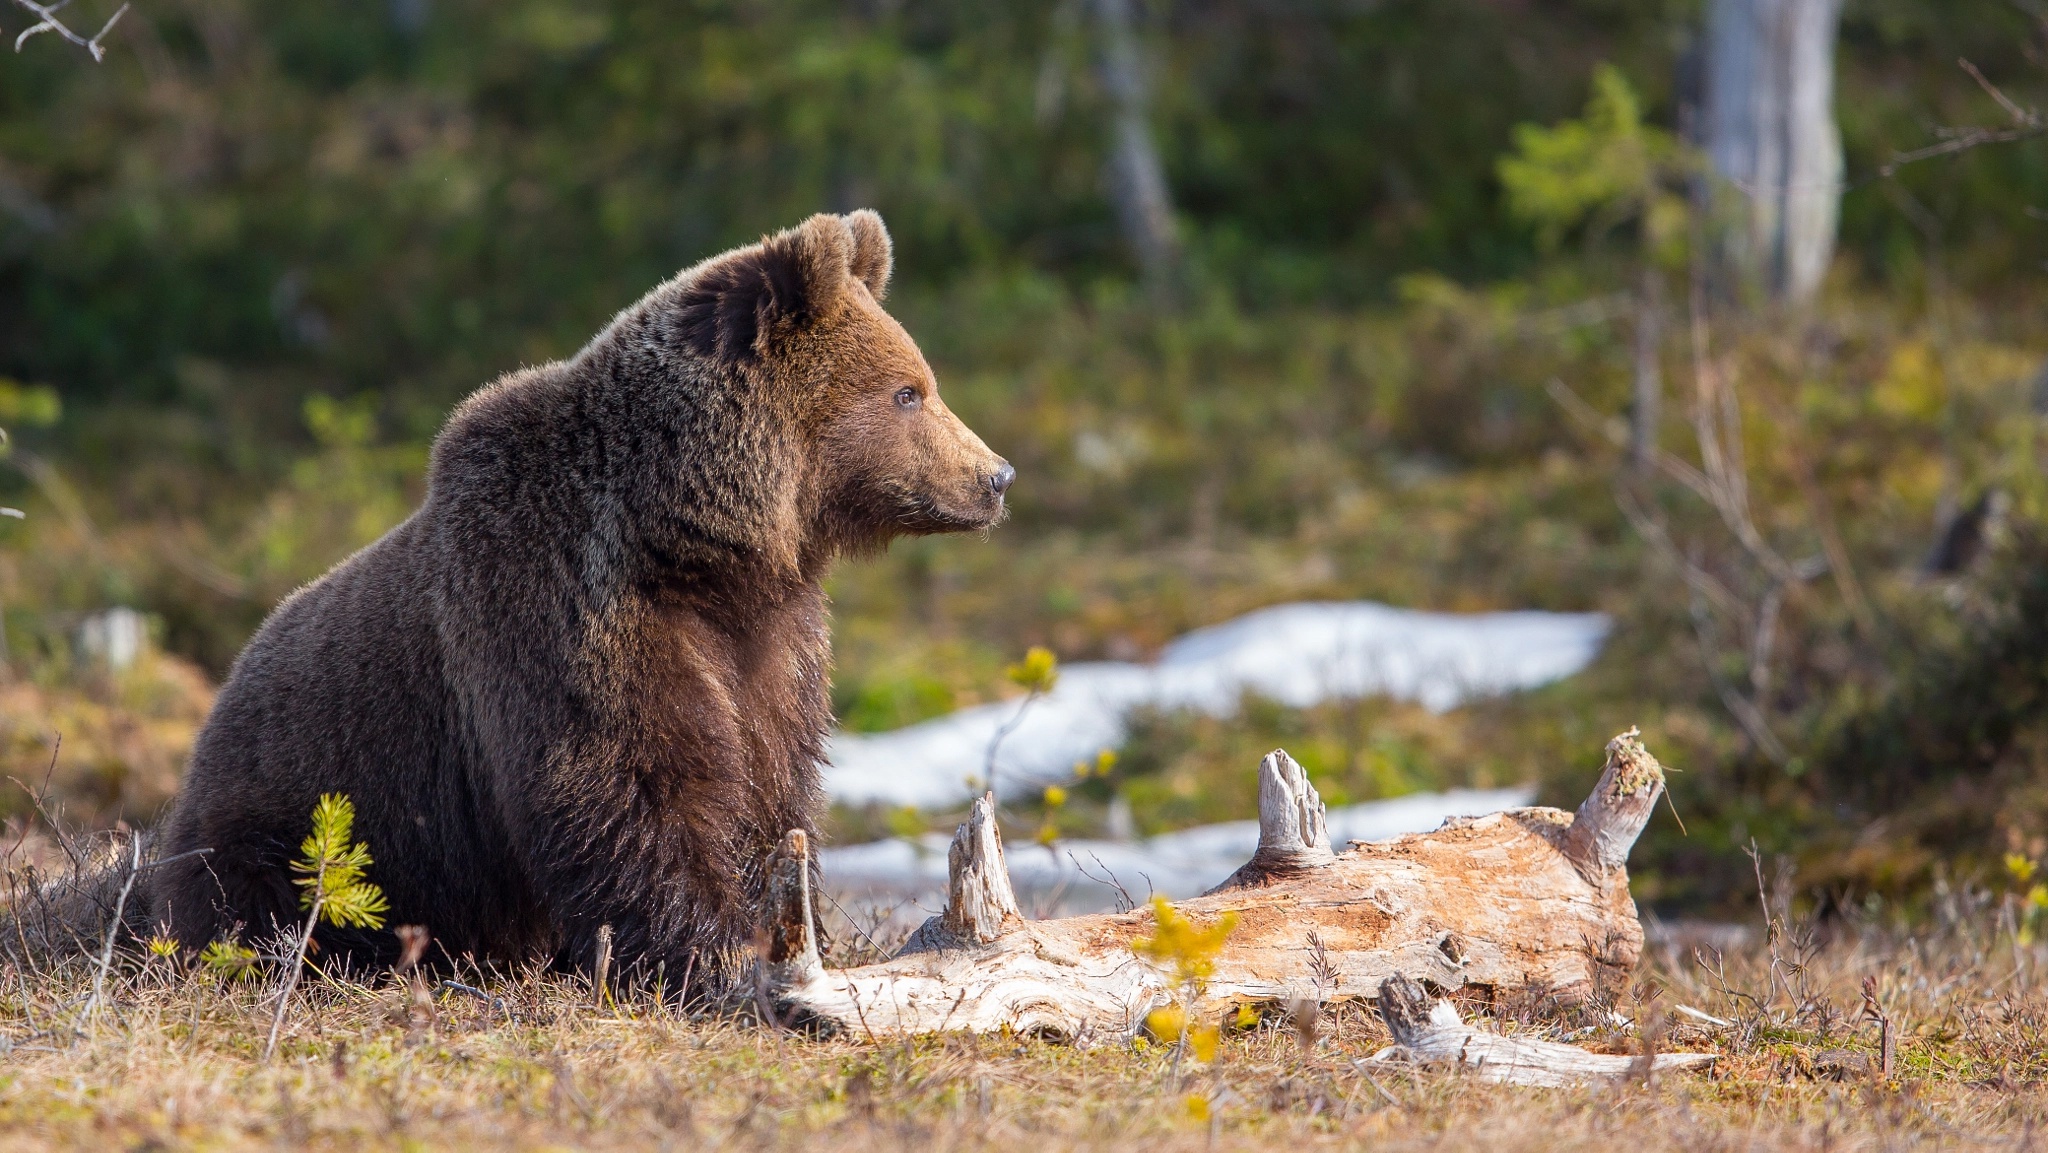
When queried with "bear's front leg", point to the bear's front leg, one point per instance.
{"points": [[667, 861]]}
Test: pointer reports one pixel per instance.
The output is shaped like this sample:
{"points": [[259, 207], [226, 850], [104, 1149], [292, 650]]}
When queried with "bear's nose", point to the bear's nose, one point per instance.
{"points": [[1003, 478]]}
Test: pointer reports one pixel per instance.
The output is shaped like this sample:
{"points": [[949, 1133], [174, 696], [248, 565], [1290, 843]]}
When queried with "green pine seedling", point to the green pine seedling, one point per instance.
{"points": [[226, 960], [331, 865]]}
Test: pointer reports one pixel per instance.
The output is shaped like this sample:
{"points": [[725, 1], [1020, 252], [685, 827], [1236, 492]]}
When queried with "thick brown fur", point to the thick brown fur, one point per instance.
{"points": [[585, 683]]}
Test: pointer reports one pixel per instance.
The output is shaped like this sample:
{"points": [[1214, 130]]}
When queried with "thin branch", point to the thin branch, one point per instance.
{"points": [[1831, 544], [2026, 124], [995, 743], [1764, 640], [1703, 588], [47, 15], [99, 978], [1701, 582], [298, 962], [1965, 140], [2019, 115], [1740, 707], [1617, 433]]}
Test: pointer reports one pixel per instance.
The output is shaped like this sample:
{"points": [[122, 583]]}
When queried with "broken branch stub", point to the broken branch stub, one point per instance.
{"points": [[1609, 821], [1292, 836], [980, 904], [789, 937], [1527, 901]]}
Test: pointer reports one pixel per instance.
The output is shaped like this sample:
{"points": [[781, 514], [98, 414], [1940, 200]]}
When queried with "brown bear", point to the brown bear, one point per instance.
{"points": [[585, 683]]}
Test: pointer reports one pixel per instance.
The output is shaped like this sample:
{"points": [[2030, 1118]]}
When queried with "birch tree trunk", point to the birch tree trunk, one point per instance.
{"points": [[1137, 180], [1770, 134], [1649, 377]]}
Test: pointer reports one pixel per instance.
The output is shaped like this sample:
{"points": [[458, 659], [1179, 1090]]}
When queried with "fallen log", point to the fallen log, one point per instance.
{"points": [[1427, 1033], [1529, 901]]}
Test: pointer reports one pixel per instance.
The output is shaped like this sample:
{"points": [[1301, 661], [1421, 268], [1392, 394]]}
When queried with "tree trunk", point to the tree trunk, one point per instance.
{"points": [[1137, 181], [1649, 390], [1770, 134]]}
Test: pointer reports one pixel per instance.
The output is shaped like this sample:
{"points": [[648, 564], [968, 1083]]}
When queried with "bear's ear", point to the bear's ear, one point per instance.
{"points": [[873, 255], [791, 279]]}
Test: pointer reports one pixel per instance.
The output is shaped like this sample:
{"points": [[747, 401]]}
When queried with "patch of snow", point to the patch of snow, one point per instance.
{"points": [[1298, 655], [1177, 865]]}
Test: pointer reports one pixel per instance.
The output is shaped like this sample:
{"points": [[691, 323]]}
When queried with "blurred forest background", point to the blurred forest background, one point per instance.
{"points": [[1428, 301]]}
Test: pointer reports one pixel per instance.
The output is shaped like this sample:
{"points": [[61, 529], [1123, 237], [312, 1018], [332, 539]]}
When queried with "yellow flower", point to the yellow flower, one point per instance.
{"points": [[1176, 941], [1166, 1022], [2037, 897], [1055, 796], [161, 946], [1105, 761], [2022, 869], [1037, 672], [1202, 1043], [1197, 1106]]}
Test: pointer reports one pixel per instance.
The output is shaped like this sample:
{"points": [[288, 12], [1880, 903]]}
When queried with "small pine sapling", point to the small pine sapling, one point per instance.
{"points": [[229, 961], [331, 865]]}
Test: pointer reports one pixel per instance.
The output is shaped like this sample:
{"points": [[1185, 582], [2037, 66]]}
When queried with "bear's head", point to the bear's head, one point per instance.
{"points": [[850, 444]]}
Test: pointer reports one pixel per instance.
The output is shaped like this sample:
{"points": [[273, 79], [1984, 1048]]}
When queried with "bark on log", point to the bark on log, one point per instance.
{"points": [[1531, 900]]}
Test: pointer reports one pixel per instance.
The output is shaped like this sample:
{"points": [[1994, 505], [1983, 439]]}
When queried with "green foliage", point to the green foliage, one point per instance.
{"points": [[1957, 752], [334, 500], [331, 867], [878, 704], [229, 961], [256, 302], [28, 405], [1607, 165]]}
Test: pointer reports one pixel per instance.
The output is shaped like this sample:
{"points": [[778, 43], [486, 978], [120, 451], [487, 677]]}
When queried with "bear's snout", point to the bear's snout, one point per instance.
{"points": [[1004, 477]]}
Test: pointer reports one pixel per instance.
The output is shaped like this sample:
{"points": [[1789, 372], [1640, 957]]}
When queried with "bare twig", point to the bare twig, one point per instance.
{"points": [[298, 962], [601, 977], [1887, 1041], [2026, 124], [995, 743], [2019, 115], [1721, 481], [99, 977], [1124, 902], [46, 14]]}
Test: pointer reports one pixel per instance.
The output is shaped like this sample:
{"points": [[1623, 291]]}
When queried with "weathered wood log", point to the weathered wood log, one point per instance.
{"points": [[1430, 1032], [1528, 901]]}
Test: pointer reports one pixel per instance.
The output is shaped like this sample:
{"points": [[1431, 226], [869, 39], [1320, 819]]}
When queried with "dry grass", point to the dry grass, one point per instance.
{"points": [[173, 1060], [125, 738]]}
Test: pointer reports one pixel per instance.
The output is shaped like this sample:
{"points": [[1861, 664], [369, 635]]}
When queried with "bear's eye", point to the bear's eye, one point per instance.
{"points": [[906, 398]]}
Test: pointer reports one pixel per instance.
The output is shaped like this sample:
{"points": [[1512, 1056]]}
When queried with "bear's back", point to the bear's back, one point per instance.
{"points": [[343, 690]]}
